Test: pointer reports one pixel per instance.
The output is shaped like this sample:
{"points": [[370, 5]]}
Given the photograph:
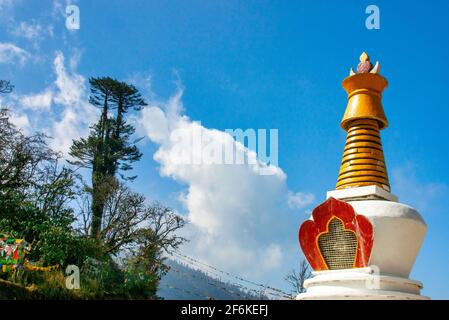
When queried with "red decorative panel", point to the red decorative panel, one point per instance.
{"points": [[311, 230]]}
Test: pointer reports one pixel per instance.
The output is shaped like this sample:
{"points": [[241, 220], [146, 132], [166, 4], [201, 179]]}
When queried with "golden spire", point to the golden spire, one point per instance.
{"points": [[364, 57], [363, 161]]}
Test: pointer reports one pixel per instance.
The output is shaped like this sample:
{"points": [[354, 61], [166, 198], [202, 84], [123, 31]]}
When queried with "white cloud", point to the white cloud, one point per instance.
{"points": [[70, 87], [239, 220], [143, 81], [158, 129], [21, 121], [9, 52], [300, 200], [75, 58], [32, 30], [59, 8], [61, 110], [40, 101], [77, 114]]}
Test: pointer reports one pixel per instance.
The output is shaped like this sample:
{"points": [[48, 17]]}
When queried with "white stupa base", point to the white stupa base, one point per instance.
{"points": [[359, 284], [362, 193]]}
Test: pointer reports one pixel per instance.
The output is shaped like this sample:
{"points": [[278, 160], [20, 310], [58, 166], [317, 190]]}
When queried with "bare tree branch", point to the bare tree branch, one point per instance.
{"points": [[296, 278]]}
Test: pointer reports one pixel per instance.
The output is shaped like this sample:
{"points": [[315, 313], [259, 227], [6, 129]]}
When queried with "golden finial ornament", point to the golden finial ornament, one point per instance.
{"points": [[365, 65], [363, 160], [364, 57]]}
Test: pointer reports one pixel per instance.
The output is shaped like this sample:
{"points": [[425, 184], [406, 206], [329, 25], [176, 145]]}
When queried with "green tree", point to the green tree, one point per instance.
{"points": [[145, 265], [140, 233], [109, 149], [35, 196], [123, 153]]}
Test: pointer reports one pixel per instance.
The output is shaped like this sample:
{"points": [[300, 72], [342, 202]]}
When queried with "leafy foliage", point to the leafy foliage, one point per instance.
{"points": [[35, 192], [120, 243]]}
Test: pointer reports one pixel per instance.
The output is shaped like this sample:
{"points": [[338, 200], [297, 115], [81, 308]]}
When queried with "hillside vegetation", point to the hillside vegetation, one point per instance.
{"points": [[81, 212]]}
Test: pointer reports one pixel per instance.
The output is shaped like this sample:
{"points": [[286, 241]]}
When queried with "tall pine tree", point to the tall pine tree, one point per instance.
{"points": [[109, 149]]}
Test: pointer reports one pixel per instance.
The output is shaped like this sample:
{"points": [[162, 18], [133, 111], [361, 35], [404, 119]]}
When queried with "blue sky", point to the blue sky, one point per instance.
{"points": [[251, 64]]}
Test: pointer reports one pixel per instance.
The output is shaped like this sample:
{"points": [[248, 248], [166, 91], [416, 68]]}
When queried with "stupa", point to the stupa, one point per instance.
{"points": [[362, 242]]}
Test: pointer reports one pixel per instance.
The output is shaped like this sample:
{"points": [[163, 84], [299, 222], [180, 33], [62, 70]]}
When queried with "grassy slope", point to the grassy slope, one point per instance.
{"points": [[10, 291]]}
